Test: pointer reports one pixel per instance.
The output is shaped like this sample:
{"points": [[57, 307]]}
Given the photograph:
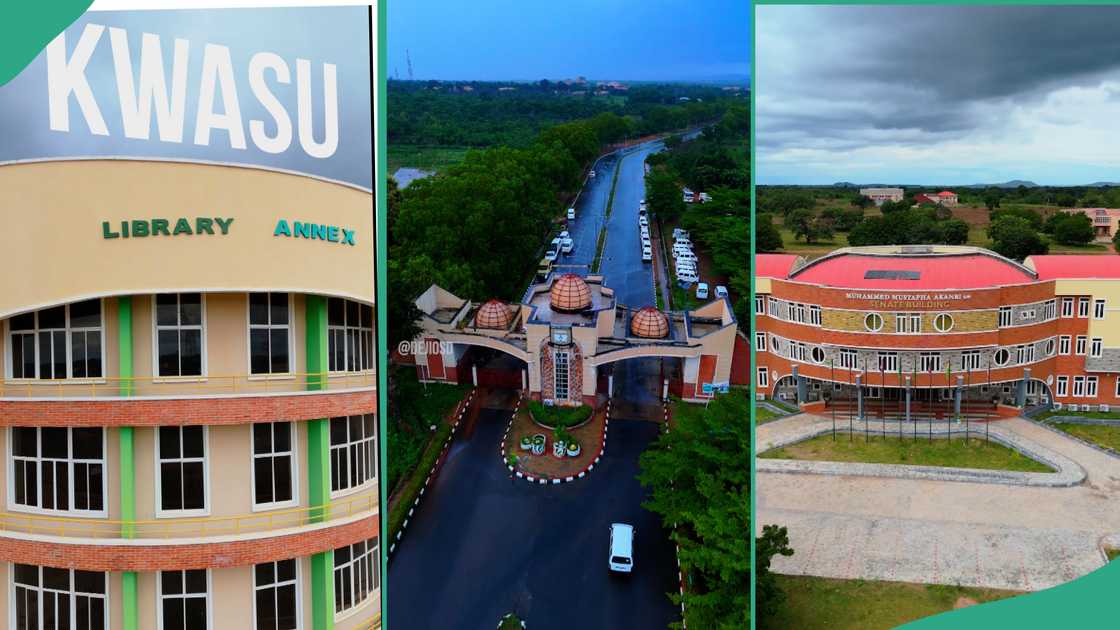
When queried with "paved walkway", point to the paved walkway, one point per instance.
{"points": [[943, 532]]}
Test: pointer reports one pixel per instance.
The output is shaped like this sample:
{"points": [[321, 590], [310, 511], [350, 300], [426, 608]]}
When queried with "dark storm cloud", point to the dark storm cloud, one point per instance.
{"points": [[913, 74]]}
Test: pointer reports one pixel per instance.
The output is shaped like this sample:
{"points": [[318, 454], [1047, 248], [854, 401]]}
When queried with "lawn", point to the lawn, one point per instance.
{"points": [[940, 452], [791, 245], [813, 602], [1099, 415], [762, 415], [1099, 434], [435, 158]]}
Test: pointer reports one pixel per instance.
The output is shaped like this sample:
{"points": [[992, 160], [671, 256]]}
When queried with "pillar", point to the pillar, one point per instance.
{"points": [[1021, 393], [859, 396], [127, 473], [318, 464], [908, 399], [957, 391], [474, 375], [802, 388]]}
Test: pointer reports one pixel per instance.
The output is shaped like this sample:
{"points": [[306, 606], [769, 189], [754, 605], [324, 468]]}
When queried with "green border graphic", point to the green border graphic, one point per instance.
{"points": [[381, 299], [1081, 603], [27, 27]]}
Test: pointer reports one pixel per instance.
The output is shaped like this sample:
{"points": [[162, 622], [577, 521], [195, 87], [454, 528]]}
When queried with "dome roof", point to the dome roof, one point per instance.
{"points": [[493, 314], [650, 323], [570, 293]]}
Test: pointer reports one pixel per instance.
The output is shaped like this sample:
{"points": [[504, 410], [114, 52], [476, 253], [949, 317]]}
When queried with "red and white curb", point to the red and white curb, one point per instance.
{"points": [[680, 571], [463, 407], [542, 480]]}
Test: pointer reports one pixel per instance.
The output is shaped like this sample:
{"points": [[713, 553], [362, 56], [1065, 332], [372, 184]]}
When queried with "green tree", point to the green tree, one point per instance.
{"points": [[805, 225], [663, 194], [1116, 242], [991, 200], [1074, 229], [1014, 238], [698, 483], [843, 219], [774, 541], [767, 238]]}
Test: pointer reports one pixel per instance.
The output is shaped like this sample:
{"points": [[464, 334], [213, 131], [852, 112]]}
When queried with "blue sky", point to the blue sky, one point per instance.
{"points": [[650, 40]]}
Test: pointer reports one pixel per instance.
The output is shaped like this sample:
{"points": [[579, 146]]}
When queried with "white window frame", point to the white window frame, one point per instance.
{"points": [[71, 461], [814, 315], [345, 330], [298, 583], [156, 376], [1091, 383], [293, 454], [209, 604], [942, 329], [1006, 363], [250, 326], [812, 355], [759, 305], [1006, 317], [1118, 387], [908, 323], [1096, 347], [846, 353], [763, 377], [760, 342], [1061, 390], [1067, 307], [891, 359], [1064, 344], [206, 497], [924, 358], [867, 322], [9, 366], [1083, 307], [1079, 387], [72, 592], [971, 360], [1050, 347], [1050, 310], [1028, 313], [1098, 309], [556, 363], [373, 551], [334, 494], [1079, 347]]}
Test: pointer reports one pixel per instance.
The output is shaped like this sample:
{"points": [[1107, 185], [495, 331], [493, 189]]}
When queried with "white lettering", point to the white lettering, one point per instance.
{"points": [[136, 109], [69, 76], [283, 138], [330, 110], [217, 67]]}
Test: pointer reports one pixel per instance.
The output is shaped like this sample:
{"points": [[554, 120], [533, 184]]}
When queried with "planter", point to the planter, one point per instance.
{"points": [[527, 443], [539, 442], [558, 448], [573, 449]]}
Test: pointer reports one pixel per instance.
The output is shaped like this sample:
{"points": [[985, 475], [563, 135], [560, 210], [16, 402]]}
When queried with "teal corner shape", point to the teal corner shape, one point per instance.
{"points": [[27, 26]]}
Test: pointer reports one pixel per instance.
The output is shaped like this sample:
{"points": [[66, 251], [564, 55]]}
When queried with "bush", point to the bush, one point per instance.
{"points": [[558, 417], [767, 238], [1074, 229], [510, 622], [1014, 238]]}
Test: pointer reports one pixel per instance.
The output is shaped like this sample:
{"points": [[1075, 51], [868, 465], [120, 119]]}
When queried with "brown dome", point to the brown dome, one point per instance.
{"points": [[570, 293], [493, 314], [650, 323]]}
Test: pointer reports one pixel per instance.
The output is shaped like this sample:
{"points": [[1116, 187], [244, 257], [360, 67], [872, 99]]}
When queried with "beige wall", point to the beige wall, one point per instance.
{"points": [[1108, 329], [65, 202]]}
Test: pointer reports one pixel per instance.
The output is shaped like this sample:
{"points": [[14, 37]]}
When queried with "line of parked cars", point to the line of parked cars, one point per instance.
{"points": [[643, 225], [685, 263]]}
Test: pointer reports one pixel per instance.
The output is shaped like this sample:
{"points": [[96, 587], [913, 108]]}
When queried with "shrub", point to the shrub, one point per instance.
{"points": [[554, 417]]}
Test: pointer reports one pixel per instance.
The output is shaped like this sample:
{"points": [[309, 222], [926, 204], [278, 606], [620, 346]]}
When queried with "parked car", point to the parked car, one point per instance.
{"points": [[687, 278], [621, 558], [593, 172], [563, 235], [647, 253], [679, 233], [571, 214], [721, 291], [702, 291], [553, 249], [705, 197], [642, 220], [544, 267], [567, 245], [687, 256]]}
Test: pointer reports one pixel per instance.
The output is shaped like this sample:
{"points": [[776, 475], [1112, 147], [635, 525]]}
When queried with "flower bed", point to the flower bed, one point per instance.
{"points": [[556, 453], [558, 416]]}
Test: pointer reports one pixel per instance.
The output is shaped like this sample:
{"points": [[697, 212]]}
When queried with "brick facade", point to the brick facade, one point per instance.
{"points": [[575, 371]]}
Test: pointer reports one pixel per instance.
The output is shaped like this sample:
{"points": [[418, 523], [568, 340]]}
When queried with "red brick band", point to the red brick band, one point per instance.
{"points": [[181, 557], [134, 412]]}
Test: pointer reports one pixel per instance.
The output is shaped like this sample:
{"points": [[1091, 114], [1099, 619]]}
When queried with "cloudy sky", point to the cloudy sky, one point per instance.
{"points": [[937, 94]]}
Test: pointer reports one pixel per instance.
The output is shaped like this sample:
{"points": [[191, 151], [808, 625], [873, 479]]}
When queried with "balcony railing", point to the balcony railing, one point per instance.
{"points": [[195, 527], [208, 385]]}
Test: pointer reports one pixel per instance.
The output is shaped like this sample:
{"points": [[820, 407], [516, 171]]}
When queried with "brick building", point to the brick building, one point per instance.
{"points": [[950, 327]]}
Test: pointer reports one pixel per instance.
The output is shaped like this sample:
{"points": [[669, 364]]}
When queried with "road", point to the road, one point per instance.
{"points": [[483, 544]]}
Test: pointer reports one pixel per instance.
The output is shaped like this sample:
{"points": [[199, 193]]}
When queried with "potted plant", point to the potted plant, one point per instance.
{"points": [[539, 441], [558, 448], [573, 449], [526, 442], [511, 460]]}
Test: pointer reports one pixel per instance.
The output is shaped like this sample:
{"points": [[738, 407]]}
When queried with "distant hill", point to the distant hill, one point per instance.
{"points": [[1015, 183], [1103, 184]]}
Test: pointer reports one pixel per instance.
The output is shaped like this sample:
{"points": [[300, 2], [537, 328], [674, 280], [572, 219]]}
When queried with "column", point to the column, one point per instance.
{"points": [[1021, 393], [957, 391], [907, 399], [318, 463], [859, 396], [802, 388], [127, 472]]}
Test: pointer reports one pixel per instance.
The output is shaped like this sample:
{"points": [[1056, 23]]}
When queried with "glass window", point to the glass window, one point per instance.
{"points": [[943, 322], [269, 333], [908, 322], [848, 359], [1002, 357], [970, 360], [1063, 344], [929, 362], [275, 593], [182, 468], [57, 343], [58, 469], [1063, 386], [179, 334], [353, 452], [184, 600], [58, 599], [760, 341], [355, 574], [1081, 339], [817, 354], [1078, 386], [560, 375], [1004, 316], [873, 322], [759, 302], [888, 361], [349, 335], [1067, 307], [1096, 347], [815, 315], [763, 377], [273, 459], [1083, 307], [1098, 309], [1091, 387]]}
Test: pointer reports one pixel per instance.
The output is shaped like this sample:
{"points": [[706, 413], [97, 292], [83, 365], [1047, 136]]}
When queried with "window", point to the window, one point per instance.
{"points": [[817, 354], [56, 343], [873, 322], [970, 360], [350, 335], [1063, 386], [355, 574], [1078, 386], [1027, 313], [929, 362], [888, 361], [1067, 307], [273, 464], [763, 377], [1063, 344], [848, 359], [1118, 387], [1091, 387], [560, 375], [1083, 307], [275, 595], [1002, 357], [1098, 309], [179, 334], [775, 344], [1049, 310], [353, 459], [798, 350], [59, 469], [759, 305], [943, 322], [815, 315], [1004, 316], [58, 599], [269, 333], [1024, 354], [1095, 348], [182, 469], [908, 322], [1081, 339], [184, 600], [760, 342], [775, 307], [1050, 347]]}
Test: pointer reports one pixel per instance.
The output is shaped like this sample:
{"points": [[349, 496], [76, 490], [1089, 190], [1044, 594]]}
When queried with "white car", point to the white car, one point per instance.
{"points": [[647, 254], [688, 257], [679, 233], [554, 248], [564, 235], [566, 245], [721, 291], [702, 291], [688, 277], [621, 557], [685, 269], [643, 221], [645, 231], [592, 172], [571, 214], [551, 255]]}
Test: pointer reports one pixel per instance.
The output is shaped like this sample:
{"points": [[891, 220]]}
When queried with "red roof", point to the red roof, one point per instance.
{"points": [[773, 265], [1074, 266], [958, 271], [946, 193]]}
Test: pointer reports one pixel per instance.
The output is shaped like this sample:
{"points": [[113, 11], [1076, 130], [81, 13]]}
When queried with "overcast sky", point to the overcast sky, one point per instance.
{"points": [[652, 40], [937, 94]]}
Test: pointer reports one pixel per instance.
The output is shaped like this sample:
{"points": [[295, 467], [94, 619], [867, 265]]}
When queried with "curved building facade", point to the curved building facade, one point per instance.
{"points": [[188, 398], [952, 329]]}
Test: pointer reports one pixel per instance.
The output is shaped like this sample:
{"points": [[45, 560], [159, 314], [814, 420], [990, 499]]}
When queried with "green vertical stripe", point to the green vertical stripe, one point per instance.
{"points": [[322, 591], [124, 343], [316, 342], [318, 464], [129, 605], [129, 620]]}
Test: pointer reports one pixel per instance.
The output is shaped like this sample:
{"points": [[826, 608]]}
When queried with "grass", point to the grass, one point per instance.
{"points": [[792, 245], [762, 415], [433, 158], [682, 299], [813, 603], [1099, 415], [877, 450], [1099, 434], [614, 183], [601, 244]]}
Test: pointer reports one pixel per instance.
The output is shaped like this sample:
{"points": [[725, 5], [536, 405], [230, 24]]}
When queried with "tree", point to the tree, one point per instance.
{"points": [[1032, 216], [843, 219], [804, 224], [954, 232], [699, 487], [991, 200], [1014, 238], [1074, 229], [774, 541], [663, 194], [767, 238], [1116, 242]]}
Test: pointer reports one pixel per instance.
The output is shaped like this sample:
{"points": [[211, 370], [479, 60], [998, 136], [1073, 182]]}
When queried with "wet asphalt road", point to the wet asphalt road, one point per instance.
{"points": [[483, 545]]}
